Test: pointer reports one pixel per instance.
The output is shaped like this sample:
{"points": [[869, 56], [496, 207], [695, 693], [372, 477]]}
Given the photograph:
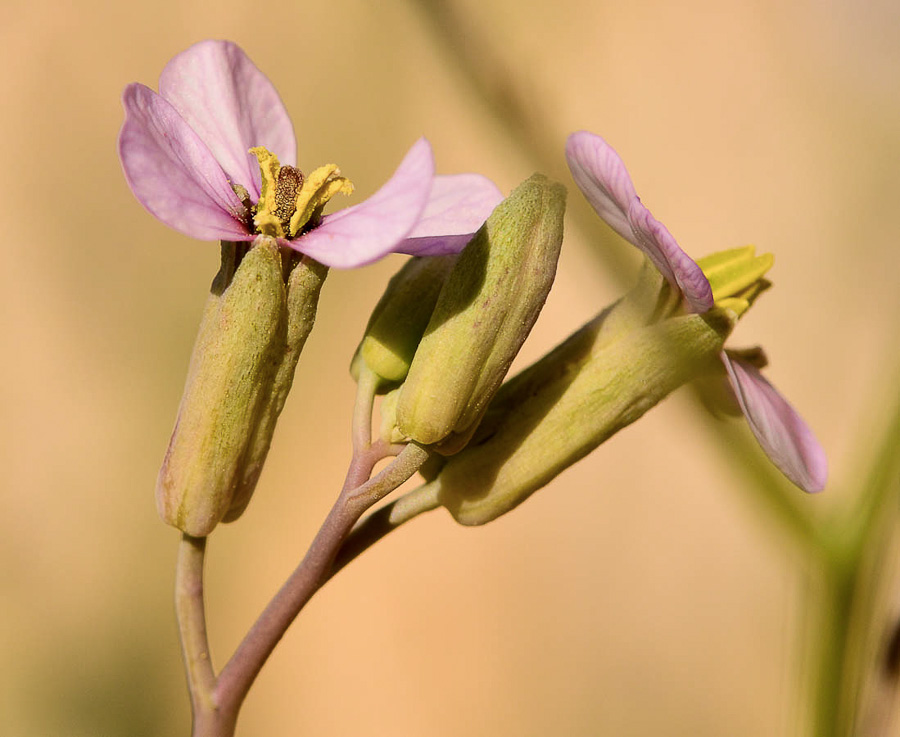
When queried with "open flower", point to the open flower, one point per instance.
{"points": [[213, 155], [603, 179]]}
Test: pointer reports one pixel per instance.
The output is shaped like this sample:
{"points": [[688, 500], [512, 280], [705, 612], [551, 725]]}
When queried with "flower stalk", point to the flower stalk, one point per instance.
{"points": [[216, 700], [191, 614]]}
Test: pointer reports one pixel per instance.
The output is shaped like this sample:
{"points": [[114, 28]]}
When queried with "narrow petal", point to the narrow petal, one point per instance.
{"points": [[458, 206], [364, 233], [602, 177], [654, 239], [172, 172], [231, 105], [781, 432]]}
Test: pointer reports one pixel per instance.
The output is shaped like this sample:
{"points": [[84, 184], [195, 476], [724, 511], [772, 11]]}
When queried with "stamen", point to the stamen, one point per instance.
{"points": [[290, 180]]}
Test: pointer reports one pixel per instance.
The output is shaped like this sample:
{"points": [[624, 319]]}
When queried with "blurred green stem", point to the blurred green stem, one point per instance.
{"points": [[853, 558], [834, 615]]}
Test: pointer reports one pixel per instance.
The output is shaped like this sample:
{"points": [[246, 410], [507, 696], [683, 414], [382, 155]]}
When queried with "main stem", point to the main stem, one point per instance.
{"points": [[356, 497], [241, 670]]}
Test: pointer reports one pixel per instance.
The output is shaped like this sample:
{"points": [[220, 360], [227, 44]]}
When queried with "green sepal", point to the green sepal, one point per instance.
{"points": [[303, 288], [565, 405], [251, 333]]}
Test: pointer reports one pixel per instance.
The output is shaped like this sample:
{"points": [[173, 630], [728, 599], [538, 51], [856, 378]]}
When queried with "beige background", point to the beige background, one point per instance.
{"points": [[644, 592]]}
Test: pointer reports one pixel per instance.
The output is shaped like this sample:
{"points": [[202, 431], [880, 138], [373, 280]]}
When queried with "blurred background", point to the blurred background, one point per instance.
{"points": [[645, 591]]}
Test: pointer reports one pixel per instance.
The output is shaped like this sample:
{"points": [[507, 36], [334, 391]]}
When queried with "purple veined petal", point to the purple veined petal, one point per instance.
{"points": [[231, 105], [172, 172], [781, 432], [602, 177], [434, 245], [458, 206], [363, 233], [654, 239]]}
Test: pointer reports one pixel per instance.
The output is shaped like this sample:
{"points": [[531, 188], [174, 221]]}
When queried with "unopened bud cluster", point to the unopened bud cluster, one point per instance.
{"points": [[448, 330]]}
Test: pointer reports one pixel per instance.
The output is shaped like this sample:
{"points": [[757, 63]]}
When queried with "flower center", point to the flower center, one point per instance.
{"points": [[290, 203], [289, 181]]}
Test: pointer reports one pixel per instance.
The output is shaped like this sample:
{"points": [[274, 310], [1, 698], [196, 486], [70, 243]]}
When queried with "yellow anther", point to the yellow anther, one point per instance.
{"points": [[319, 187], [265, 220]]}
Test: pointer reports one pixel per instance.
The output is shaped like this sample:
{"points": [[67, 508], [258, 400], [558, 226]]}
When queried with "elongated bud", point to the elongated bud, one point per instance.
{"points": [[557, 411], [303, 288], [401, 316], [240, 373], [485, 310]]}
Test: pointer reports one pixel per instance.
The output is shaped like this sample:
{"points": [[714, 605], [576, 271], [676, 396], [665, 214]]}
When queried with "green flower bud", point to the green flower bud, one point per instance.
{"points": [[601, 379], [303, 288], [401, 316], [251, 334], [485, 310]]}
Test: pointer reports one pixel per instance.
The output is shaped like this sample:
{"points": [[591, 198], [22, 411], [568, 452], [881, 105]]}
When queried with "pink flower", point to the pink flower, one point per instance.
{"points": [[185, 154], [603, 179]]}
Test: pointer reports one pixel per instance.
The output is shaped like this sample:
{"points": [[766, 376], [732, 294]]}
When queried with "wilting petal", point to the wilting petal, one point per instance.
{"points": [[364, 233], [231, 105], [603, 179], [458, 206], [781, 432], [172, 172]]}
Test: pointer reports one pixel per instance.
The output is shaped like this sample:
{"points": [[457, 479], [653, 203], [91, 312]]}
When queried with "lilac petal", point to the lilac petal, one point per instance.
{"points": [[364, 233], [602, 177], [654, 239], [458, 206], [781, 432], [231, 105], [172, 172], [434, 245]]}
